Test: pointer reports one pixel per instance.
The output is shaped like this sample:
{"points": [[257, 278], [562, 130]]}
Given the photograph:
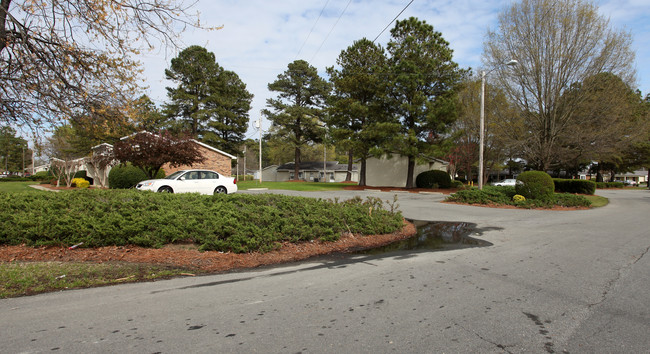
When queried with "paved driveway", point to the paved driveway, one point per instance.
{"points": [[552, 282]]}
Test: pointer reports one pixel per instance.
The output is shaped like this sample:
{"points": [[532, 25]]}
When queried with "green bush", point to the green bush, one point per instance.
{"points": [[237, 222], [507, 196], [535, 185], [457, 184], [428, 179], [41, 176], [571, 200], [15, 179], [605, 185], [477, 196], [125, 176], [579, 186]]}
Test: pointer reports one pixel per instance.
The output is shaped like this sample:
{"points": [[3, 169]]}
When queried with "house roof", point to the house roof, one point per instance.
{"points": [[642, 172], [214, 149], [317, 166], [102, 145]]}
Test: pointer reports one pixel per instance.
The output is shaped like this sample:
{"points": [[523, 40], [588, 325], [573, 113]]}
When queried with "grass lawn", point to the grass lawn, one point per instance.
{"points": [[597, 201], [294, 186], [18, 187], [28, 278]]}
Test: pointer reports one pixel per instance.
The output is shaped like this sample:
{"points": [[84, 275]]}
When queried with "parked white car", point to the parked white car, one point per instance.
{"points": [[191, 181], [506, 182]]}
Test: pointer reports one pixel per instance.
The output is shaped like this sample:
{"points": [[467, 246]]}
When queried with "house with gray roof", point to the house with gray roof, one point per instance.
{"points": [[310, 171]]}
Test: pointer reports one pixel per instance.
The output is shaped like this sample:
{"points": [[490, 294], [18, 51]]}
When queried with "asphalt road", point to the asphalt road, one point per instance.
{"points": [[573, 281]]}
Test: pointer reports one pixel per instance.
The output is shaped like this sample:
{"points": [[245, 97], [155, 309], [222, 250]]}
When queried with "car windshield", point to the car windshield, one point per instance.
{"points": [[175, 175]]}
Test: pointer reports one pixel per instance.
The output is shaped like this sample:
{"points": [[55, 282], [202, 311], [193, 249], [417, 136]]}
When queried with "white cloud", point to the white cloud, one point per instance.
{"points": [[260, 38]]}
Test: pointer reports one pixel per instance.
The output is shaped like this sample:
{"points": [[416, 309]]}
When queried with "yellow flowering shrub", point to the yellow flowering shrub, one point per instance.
{"points": [[80, 183]]}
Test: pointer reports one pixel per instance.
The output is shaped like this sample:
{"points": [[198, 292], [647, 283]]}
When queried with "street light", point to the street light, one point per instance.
{"points": [[482, 122]]}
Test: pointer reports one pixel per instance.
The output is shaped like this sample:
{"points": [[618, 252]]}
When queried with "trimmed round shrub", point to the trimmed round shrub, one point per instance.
{"points": [[428, 179], [125, 176], [535, 185]]}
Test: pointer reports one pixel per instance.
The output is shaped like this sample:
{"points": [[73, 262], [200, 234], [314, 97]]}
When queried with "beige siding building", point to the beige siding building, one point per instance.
{"points": [[392, 172]]}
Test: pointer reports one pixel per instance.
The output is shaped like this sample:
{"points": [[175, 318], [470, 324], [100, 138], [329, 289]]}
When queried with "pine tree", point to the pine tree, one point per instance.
{"points": [[423, 87], [297, 113], [209, 102]]}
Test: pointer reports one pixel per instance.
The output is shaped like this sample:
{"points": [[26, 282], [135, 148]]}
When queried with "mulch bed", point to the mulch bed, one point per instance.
{"points": [[187, 256]]}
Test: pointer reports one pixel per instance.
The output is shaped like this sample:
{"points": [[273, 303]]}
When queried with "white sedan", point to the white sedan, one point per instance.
{"points": [[191, 181], [506, 182]]}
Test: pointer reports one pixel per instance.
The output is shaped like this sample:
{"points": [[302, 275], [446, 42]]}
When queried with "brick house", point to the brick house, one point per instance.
{"points": [[215, 160]]}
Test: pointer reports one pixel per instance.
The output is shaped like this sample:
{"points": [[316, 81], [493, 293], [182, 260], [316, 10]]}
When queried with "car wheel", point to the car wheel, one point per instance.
{"points": [[220, 190], [165, 190]]}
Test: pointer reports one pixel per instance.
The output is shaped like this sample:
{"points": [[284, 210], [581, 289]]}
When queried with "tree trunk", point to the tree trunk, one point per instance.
{"points": [[362, 173], [4, 8], [296, 164], [409, 174], [348, 175]]}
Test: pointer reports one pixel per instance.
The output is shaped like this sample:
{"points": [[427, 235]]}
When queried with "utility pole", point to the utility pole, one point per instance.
{"points": [[259, 126]]}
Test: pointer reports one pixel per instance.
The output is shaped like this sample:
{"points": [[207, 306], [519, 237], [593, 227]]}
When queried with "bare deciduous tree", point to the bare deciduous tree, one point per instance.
{"points": [[65, 159], [57, 57], [558, 43]]}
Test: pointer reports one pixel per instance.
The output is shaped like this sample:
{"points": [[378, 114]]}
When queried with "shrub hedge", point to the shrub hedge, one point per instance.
{"points": [[605, 185], [127, 176], [237, 223], [535, 185], [15, 179], [579, 186], [42, 176], [506, 196], [433, 178]]}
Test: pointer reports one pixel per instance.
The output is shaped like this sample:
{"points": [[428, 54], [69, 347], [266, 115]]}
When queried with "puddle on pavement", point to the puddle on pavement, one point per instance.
{"points": [[435, 236]]}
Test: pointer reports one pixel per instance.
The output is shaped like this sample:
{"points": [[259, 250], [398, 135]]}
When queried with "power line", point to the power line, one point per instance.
{"points": [[391, 22], [312, 29], [332, 29]]}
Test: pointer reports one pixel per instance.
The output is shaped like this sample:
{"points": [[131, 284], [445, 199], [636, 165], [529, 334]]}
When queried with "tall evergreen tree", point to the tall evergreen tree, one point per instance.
{"points": [[297, 112], [147, 116], [12, 151], [359, 119], [209, 102], [229, 105], [423, 87]]}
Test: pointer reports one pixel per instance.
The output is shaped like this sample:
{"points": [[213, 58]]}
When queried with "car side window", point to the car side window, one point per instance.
{"points": [[192, 175], [209, 175]]}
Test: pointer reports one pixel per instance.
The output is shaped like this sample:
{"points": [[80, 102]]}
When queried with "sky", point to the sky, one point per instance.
{"points": [[261, 37]]}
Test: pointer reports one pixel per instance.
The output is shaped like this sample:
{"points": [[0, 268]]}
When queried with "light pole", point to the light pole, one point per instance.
{"points": [[259, 125], [482, 123]]}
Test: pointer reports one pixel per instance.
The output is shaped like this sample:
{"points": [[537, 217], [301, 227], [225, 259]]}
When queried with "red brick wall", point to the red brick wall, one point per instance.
{"points": [[213, 161]]}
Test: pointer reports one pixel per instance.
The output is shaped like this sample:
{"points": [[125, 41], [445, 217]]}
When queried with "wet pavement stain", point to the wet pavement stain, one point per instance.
{"points": [[548, 346], [436, 236]]}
